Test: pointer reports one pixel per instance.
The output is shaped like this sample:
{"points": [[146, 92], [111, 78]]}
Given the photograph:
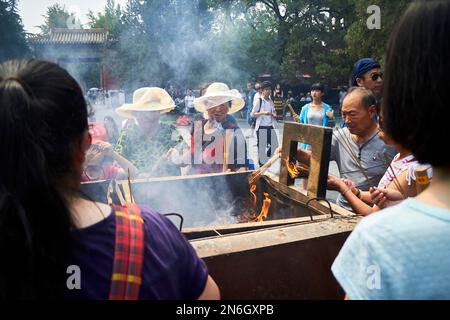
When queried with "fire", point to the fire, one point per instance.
{"points": [[265, 208], [299, 170], [292, 169], [252, 191]]}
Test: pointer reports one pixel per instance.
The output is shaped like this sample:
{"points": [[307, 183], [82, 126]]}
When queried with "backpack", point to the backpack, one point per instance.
{"points": [[253, 124]]}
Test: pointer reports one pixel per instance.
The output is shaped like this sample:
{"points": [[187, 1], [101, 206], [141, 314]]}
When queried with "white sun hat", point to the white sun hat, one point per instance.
{"points": [[216, 94], [147, 99]]}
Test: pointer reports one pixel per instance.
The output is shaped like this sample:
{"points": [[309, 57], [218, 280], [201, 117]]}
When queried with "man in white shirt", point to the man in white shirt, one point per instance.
{"points": [[189, 102], [264, 112]]}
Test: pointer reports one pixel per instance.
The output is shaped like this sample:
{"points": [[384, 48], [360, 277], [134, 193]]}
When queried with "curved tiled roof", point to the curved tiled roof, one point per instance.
{"points": [[73, 36]]}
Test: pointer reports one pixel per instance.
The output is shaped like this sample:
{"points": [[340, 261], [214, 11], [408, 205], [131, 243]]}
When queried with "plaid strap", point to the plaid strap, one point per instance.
{"points": [[128, 253]]}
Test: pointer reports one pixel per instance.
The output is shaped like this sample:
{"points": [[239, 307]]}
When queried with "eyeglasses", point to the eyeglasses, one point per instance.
{"points": [[375, 76]]}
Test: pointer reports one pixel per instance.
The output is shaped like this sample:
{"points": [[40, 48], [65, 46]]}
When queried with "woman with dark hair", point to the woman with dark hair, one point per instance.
{"points": [[317, 112], [47, 229], [403, 252], [278, 91]]}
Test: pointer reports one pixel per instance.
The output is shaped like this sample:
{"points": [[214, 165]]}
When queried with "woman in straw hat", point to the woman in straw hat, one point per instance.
{"points": [[150, 145], [217, 142]]}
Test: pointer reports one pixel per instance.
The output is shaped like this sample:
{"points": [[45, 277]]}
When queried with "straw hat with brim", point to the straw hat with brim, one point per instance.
{"points": [[147, 99], [216, 94]]}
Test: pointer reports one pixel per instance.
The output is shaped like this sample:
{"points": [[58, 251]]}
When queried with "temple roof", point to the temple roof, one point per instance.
{"points": [[72, 36]]}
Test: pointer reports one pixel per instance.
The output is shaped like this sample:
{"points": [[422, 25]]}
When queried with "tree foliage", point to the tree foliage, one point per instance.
{"points": [[110, 18], [58, 16], [195, 41], [12, 35], [364, 42]]}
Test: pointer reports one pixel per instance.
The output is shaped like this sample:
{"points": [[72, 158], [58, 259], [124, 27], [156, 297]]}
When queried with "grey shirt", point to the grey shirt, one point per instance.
{"points": [[315, 117], [374, 156]]}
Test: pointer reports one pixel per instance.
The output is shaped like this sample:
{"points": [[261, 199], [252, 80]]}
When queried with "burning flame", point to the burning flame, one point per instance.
{"points": [[252, 191], [297, 170], [292, 169], [265, 208]]}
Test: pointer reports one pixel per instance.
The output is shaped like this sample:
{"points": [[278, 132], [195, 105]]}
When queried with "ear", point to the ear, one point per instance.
{"points": [[360, 82], [372, 111]]}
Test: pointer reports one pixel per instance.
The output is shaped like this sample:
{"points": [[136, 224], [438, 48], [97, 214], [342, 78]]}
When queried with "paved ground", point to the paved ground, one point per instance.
{"points": [[101, 111]]}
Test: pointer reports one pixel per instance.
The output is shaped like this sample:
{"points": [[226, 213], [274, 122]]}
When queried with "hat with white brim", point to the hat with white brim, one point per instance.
{"points": [[147, 99], [219, 93]]}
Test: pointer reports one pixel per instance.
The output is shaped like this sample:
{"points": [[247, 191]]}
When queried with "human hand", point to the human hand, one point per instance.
{"points": [[350, 184], [330, 114], [278, 150], [384, 198], [335, 183]]}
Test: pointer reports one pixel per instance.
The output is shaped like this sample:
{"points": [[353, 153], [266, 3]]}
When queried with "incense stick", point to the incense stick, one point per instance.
{"points": [[129, 187], [263, 169]]}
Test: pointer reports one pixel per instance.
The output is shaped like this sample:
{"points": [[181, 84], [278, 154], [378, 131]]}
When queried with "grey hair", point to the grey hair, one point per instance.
{"points": [[368, 96]]}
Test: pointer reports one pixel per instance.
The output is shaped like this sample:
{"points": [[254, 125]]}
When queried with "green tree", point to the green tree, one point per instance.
{"points": [[110, 18], [236, 40], [12, 36], [316, 44], [57, 16], [363, 42]]}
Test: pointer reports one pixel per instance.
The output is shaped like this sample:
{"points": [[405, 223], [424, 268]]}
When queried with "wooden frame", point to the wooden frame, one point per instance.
{"points": [[320, 140]]}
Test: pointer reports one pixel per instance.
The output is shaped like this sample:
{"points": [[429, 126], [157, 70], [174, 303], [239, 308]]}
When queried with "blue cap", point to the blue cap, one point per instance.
{"points": [[362, 66]]}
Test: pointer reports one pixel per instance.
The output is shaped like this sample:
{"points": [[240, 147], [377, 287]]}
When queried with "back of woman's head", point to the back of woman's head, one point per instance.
{"points": [[417, 80], [43, 116]]}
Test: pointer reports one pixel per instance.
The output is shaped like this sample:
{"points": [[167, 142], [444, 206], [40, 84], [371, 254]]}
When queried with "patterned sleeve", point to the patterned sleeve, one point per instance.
{"points": [[176, 140], [121, 144]]}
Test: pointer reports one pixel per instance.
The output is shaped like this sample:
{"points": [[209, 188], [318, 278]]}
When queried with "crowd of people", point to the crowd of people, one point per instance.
{"points": [[390, 123]]}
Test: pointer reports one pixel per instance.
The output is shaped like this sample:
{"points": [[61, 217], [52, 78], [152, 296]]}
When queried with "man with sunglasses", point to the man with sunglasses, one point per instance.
{"points": [[367, 74]]}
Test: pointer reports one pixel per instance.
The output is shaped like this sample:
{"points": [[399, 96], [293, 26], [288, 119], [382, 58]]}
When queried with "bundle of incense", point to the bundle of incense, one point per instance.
{"points": [[294, 114]]}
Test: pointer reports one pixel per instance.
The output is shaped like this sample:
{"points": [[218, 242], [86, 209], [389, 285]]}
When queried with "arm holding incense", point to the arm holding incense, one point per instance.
{"points": [[123, 163], [350, 192]]}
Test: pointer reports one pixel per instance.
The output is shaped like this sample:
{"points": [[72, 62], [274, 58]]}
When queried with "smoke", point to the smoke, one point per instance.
{"points": [[202, 201], [183, 44]]}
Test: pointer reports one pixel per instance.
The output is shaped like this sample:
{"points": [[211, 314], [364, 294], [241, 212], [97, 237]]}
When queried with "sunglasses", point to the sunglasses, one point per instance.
{"points": [[375, 76]]}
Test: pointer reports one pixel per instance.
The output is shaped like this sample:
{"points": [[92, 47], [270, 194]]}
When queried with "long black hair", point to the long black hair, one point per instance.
{"points": [[43, 116], [417, 80]]}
